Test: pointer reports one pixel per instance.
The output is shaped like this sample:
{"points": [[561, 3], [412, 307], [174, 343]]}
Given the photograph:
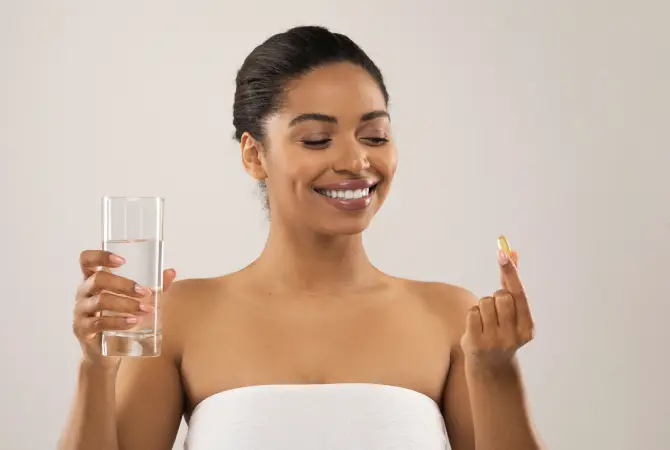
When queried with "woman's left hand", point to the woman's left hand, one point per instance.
{"points": [[500, 324]]}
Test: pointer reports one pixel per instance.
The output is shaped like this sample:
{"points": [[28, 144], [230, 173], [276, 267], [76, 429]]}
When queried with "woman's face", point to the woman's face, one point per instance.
{"points": [[330, 158]]}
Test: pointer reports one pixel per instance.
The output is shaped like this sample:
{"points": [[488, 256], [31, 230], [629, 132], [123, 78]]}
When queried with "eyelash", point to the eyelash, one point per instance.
{"points": [[376, 141]]}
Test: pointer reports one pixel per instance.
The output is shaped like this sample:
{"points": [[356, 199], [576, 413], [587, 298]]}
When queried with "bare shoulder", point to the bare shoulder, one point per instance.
{"points": [[196, 293], [189, 288], [186, 295], [449, 302], [185, 303]]}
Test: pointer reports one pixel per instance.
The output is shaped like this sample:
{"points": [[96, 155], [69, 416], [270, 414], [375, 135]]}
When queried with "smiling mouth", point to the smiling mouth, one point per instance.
{"points": [[347, 194]]}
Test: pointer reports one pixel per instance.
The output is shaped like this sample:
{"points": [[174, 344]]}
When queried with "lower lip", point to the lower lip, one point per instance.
{"points": [[353, 204]]}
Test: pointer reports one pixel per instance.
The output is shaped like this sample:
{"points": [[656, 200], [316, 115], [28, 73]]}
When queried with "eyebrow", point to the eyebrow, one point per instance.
{"points": [[331, 119]]}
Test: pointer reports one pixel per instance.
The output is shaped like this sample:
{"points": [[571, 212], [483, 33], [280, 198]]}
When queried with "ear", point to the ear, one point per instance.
{"points": [[252, 156]]}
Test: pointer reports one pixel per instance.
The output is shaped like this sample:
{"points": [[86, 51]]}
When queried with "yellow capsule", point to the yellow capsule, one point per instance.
{"points": [[504, 245]]}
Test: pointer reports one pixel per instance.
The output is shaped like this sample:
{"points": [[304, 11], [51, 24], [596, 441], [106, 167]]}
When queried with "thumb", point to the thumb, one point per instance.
{"points": [[169, 276]]}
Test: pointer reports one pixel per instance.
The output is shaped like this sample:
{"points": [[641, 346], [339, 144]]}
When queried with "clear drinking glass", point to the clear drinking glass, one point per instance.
{"points": [[132, 227]]}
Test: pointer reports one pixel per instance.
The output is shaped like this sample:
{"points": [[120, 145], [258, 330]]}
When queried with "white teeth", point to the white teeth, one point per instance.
{"points": [[346, 194]]}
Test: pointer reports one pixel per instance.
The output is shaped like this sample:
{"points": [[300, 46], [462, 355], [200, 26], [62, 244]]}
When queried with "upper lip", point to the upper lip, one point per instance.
{"points": [[359, 183]]}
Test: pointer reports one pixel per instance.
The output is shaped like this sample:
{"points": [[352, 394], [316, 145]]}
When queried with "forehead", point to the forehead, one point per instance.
{"points": [[338, 89]]}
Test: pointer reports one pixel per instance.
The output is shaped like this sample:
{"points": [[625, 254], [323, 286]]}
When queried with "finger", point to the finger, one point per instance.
{"points": [[169, 276], [105, 281], [510, 275], [512, 283], [515, 259], [94, 325], [473, 324], [487, 308], [506, 310], [105, 301], [91, 260]]}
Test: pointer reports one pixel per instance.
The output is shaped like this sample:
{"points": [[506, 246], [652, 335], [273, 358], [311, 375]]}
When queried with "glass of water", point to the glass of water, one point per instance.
{"points": [[132, 227]]}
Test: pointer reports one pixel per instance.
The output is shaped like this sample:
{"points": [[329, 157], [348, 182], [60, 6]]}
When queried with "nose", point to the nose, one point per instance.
{"points": [[353, 158]]}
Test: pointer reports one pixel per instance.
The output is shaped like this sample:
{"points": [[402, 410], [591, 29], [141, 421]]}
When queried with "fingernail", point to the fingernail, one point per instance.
{"points": [[131, 319], [116, 259], [503, 244], [502, 258], [146, 308], [141, 290]]}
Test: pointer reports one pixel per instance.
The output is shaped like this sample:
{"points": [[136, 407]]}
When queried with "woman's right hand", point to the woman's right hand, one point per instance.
{"points": [[104, 291]]}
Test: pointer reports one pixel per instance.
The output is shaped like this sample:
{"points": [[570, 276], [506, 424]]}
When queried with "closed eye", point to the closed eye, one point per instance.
{"points": [[376, 140], [321, 143]]}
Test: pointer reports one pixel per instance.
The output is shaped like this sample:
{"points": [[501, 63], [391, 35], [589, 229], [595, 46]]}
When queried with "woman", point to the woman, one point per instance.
{"points": [[310, 346]]}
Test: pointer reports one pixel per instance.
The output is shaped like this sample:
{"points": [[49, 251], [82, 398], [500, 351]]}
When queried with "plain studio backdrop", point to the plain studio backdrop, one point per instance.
{"points": [[544, 120]]}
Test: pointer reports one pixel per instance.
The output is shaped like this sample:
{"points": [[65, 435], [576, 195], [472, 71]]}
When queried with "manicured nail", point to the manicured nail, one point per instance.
{"points": [[146, 308], [503, 244], [502, 258], [131, 319], [116, 259], [141, 290]]}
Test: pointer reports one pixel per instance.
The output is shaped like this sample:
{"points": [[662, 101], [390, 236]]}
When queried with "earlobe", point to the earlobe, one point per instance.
{"points": [[251, 156]]}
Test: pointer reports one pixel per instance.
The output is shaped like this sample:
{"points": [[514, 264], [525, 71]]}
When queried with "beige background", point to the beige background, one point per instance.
{"points": [[545, 120]]}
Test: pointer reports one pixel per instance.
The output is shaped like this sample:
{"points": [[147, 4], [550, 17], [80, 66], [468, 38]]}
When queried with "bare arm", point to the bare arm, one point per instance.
{"points": [[485, 405], [456, 403], [486, 409], [91, 423], [137, 407], [500, 413], [149, 404], [134, 404]]}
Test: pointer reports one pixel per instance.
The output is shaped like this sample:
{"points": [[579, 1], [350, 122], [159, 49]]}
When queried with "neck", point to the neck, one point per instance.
{"points": [[312, 262]]}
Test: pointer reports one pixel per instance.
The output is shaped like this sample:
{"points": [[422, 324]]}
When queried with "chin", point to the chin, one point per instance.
{"points": [[343, 227]]}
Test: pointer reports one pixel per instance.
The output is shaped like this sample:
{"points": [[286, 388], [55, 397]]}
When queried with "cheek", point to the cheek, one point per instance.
{"points": [[385, 161], [304, 170], [294, 168]]}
